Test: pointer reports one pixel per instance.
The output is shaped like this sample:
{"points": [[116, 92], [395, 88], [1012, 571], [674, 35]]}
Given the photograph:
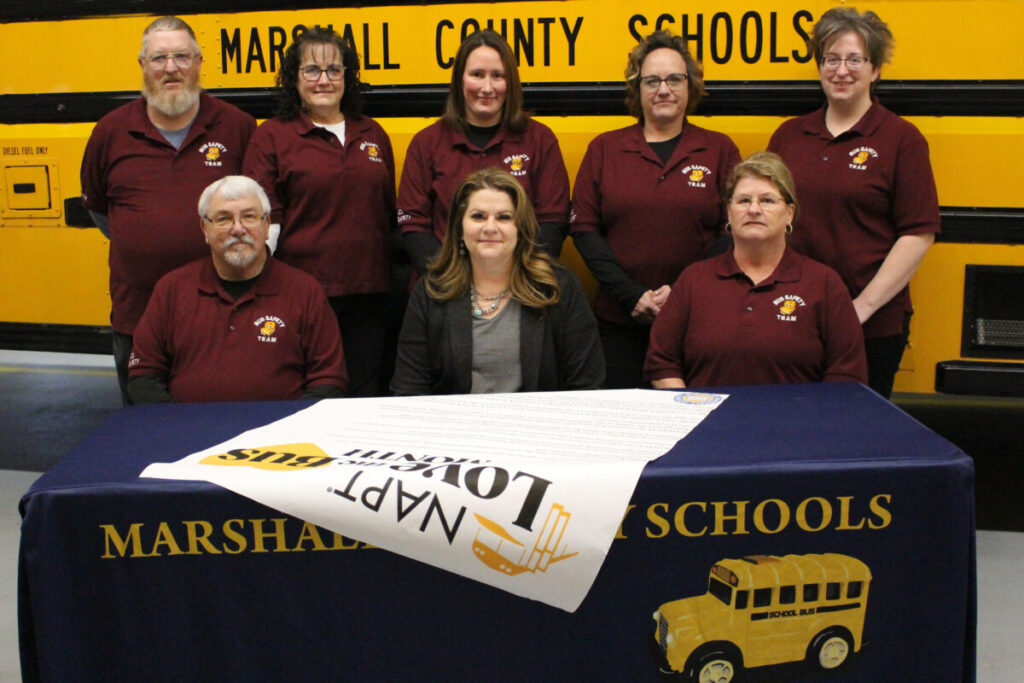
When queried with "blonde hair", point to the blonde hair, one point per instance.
{"points": [[532, 282], [770, 167]]}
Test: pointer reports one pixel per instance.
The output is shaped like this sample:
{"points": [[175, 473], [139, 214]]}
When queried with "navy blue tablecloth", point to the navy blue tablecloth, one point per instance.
{"points": [[123, 578]]}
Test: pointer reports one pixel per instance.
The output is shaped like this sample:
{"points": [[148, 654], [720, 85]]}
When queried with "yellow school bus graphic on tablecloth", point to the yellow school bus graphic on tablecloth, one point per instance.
{"points": [[762, 610], [501, 551]]}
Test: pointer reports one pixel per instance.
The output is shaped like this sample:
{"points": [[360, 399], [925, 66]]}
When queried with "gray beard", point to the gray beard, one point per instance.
{"points": [[240, 259], [169, 104]]}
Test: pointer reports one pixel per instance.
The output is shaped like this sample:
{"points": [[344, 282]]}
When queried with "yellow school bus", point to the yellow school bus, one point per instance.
{"points": [[65, 63], [762, 610]]}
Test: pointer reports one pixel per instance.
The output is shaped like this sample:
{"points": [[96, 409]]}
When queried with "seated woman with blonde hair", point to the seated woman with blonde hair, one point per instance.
{"points": [[760, 313], [493, 313]]}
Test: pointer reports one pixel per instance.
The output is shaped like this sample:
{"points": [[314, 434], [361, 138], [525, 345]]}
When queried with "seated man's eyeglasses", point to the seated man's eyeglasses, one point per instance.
{"points": [[311, 72], [182, 60], [227, 221]]}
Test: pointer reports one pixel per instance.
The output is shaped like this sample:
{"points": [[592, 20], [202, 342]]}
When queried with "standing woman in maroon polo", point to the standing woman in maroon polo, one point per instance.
{"points": [[330, 176], [646, 202], [483, 126], [870, 209]]}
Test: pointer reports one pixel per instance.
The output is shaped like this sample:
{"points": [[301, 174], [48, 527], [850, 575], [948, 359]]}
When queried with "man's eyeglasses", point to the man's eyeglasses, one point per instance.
{"points": [[226, 222], [852, 63], [311, 72], [673, 81], [182, 60]]}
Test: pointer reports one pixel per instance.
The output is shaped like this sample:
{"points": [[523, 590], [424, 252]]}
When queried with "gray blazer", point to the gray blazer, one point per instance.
{"points": [[558, 346]]}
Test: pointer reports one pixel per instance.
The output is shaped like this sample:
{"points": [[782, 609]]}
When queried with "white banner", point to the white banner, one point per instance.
{"points": [[524, 492]]}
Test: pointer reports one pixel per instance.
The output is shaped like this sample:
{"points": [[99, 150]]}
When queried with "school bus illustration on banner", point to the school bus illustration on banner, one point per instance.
{"points": [[762, 610], [503, 552]]}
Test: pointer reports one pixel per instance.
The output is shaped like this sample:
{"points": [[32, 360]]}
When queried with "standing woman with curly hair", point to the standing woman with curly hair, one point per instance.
{"points": [[865, 181], [330, 176], [494, 314], [646, 200]]}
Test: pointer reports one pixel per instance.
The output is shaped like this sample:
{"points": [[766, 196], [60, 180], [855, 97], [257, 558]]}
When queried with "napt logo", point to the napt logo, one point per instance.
{"points": [[503, 552]]}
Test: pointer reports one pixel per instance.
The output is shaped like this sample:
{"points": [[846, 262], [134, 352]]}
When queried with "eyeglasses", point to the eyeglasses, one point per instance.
{"points": [[673, 81], [182, 60], [226, 221], [766, 202], [311, 72], [852, 63]]}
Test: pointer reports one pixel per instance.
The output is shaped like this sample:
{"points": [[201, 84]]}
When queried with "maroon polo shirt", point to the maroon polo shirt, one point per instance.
{"points": [[439, 158], [858, 193], [656, 218], [335, 203], [149, 191], [718, 329], [277, 340]]}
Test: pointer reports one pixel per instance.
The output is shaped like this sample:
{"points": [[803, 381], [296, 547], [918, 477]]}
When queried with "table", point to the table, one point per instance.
{"points": [[123, 578]]}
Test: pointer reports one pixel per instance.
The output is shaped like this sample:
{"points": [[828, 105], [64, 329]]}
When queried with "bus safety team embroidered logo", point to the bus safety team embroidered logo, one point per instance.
{"points": [[517, 164], [860, 156], [696, 176], [267, 328], [372, 151], [788, 304], [212, 153]]}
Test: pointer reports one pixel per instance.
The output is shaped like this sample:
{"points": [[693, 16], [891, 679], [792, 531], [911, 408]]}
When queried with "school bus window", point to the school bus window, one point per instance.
{"points": [[787, 595], [720, 590], [833, 591], [853, 590], [741, 599], [725, 575], [762, 597], [810, 592]]}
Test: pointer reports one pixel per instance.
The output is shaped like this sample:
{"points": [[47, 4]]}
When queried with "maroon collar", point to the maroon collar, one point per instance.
{"points": [[266, 285], [789, 269], [206, 116], [867, 125]]}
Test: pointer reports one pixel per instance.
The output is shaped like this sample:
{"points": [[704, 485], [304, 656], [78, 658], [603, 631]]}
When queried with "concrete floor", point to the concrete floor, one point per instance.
{"points": [[1000, 553]]}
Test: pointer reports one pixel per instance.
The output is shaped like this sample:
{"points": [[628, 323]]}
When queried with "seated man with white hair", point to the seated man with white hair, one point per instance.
{"points": [[239, 325]]}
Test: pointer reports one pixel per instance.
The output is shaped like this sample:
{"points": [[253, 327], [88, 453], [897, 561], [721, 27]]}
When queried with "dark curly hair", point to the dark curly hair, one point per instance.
{"points": [[289, 104], [656, 41]]}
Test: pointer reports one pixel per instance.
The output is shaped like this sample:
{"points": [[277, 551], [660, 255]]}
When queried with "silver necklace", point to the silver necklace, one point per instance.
{"points": [[481, 311]]}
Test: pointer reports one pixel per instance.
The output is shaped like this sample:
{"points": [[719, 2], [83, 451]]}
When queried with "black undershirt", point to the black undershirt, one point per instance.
{"points": [[665, 148], [236, 289], [479, 136]]}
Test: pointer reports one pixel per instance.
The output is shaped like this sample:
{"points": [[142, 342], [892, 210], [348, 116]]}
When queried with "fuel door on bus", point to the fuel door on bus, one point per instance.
{"points": [[29, 189]]}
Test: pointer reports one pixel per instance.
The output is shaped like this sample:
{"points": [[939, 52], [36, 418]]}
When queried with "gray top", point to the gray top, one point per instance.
{"points": [[176, 137], [496, 367], [559, 349]]}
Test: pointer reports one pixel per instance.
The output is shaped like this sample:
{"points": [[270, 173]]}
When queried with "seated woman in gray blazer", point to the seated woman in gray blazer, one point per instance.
{"points": [[493, 313]]}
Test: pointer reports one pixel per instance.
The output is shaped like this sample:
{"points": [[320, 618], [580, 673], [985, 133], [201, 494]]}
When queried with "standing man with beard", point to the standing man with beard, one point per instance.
{"points": [[145, 166], [237, 325]]}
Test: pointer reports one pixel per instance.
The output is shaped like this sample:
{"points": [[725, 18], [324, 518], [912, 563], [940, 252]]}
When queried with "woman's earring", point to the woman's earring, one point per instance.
{"points": [[789, 229], [462, 247], [728, 228]]}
